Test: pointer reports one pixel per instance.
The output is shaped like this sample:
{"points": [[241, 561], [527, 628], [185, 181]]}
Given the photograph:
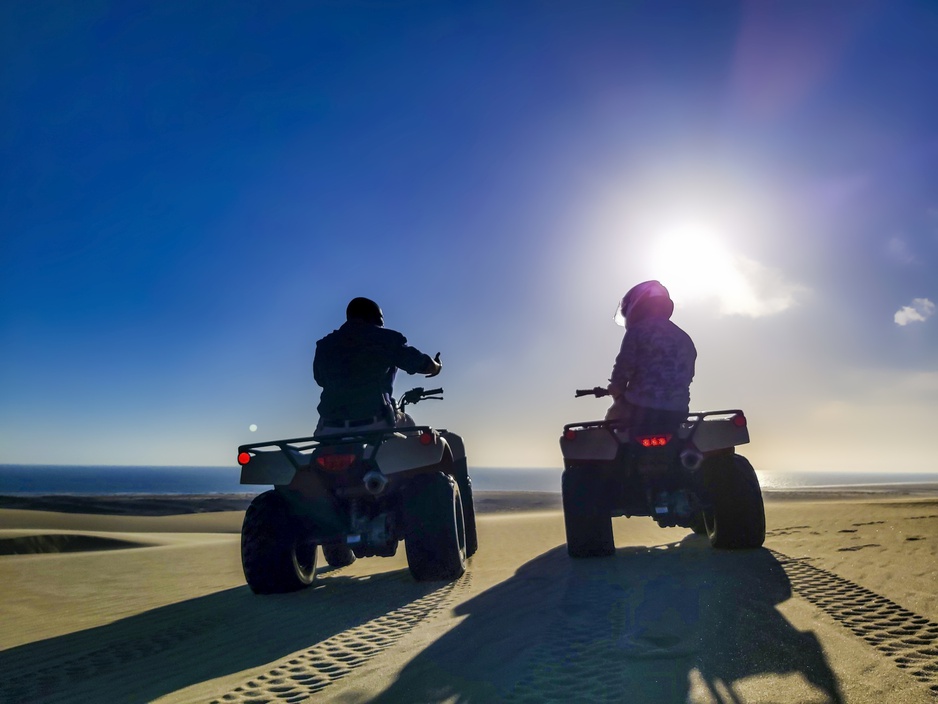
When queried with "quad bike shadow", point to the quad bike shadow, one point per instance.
{"points": [[671, 623]]}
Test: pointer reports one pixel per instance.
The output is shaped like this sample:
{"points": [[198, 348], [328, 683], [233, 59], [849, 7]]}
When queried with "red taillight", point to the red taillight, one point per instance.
{"points": [[569, 434], [243, 458], [739, 420], [335, 463], [653, 440], [426, 438]]}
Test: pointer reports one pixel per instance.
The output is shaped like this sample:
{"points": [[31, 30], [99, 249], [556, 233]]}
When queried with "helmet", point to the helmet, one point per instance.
{"points": [[648, 299], [366, 310]]}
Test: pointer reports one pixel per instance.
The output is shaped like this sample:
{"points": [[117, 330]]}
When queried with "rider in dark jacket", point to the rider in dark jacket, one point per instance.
{"points": [[356, 365]]}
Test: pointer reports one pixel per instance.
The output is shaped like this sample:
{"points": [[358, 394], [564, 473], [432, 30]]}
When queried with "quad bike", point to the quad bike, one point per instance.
{"points": [[686, 474], [357, 494]]}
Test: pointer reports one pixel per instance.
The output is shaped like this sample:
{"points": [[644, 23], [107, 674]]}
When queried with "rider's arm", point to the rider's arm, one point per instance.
{"points": [[624, 368], [317, 367], [412, 360]]}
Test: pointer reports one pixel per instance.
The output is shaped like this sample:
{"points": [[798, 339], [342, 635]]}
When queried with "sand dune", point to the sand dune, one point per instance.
{"points": [[841, 606]]}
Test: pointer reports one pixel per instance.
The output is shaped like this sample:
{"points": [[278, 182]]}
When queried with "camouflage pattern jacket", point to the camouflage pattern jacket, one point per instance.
{"points": [[655, 366]]}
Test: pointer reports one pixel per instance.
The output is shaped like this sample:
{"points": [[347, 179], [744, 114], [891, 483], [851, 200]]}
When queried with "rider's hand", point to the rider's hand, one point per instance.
{"points": [[437, 366]]}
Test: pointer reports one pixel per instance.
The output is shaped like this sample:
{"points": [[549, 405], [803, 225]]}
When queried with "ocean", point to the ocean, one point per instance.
{"points": [[91, 480]]}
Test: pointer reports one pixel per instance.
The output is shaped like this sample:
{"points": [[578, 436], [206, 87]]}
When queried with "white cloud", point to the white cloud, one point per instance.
{"points": [[753, 289], [920, 310]]}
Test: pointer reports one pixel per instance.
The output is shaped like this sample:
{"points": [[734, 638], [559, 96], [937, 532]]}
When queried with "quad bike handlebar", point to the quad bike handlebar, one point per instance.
{"points": [[418, 394], [596, 391]]}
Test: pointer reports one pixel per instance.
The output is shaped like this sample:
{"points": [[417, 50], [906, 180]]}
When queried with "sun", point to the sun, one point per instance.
{"points": [[693, 263]]}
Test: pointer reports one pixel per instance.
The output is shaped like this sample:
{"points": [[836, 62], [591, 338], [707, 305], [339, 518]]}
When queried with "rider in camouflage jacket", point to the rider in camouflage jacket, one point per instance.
{"points": [[655, 365]]}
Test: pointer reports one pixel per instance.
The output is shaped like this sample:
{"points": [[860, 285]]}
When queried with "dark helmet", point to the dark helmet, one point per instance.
{"points": [[366, 310], [648, 299]]}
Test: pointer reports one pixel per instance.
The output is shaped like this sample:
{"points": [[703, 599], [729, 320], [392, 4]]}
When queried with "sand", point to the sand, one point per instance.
{"points": [[840, 606]]}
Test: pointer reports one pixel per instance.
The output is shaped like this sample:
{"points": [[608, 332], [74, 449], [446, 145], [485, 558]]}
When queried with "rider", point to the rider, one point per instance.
{"points": [[650, 381], [356, 365]]}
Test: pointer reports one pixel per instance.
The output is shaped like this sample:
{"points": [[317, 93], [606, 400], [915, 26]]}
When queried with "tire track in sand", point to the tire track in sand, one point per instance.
{"points": [[84, 656], [305, 673], [908, 639], [571, 664], [87, 656]]}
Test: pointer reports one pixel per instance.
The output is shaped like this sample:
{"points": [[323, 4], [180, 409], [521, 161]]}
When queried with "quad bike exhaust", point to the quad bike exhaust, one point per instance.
{"points": [[375, 482], [691, 458]]}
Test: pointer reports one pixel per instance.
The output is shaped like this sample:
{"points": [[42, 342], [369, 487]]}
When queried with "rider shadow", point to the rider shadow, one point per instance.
{"points": [[660, 624], [143, 657]]}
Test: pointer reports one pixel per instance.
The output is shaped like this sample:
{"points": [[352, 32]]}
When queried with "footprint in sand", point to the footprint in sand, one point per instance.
{"points": [[854, 548]]}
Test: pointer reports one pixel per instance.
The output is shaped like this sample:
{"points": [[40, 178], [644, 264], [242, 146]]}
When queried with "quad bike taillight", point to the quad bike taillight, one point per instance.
{"points": [[243, 458], [739, 420], [569, 434], [653, 440], [426, 438], [335, 463]]}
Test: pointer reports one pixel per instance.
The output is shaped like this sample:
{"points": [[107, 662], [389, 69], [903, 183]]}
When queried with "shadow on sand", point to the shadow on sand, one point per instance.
{"points": [[143, 657], [648, 625]]}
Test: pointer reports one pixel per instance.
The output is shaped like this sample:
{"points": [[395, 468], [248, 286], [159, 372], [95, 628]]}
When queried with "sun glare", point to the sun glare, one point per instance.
{"points": [[693, 263], [696, 266], [697, 233]]}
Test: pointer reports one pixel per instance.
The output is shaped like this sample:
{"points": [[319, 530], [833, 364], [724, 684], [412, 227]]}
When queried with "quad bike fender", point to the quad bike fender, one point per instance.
{"points": [[400, 453], [275, 466], [456, 445], [719, 433], [596, 443]]}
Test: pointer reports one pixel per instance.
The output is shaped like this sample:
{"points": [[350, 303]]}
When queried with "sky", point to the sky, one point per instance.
{"points": [[191, 193]]}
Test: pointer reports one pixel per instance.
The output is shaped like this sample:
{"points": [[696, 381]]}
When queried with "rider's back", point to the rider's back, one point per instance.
{"points": [[355, 366], [657, 359]]}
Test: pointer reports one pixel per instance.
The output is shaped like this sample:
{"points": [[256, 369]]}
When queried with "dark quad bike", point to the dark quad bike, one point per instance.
{"points": [[688, 476], [357, 494]]}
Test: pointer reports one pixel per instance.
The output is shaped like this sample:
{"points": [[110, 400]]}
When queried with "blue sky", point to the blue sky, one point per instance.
{"points": [[191, 192]]}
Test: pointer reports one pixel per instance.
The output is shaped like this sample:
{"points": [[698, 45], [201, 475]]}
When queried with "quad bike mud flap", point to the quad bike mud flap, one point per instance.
{"points": [[586, 511], [314, 506]]}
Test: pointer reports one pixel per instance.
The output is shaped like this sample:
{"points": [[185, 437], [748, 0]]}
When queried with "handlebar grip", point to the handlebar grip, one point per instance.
{"points": [[432, 391], [596, 391]]}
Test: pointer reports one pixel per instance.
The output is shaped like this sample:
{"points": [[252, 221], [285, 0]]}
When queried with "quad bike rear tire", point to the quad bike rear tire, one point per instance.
{"points": [[434, 528], [338, 554], [586, 519], [275, 554], [737, 517], [461, 474]]}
